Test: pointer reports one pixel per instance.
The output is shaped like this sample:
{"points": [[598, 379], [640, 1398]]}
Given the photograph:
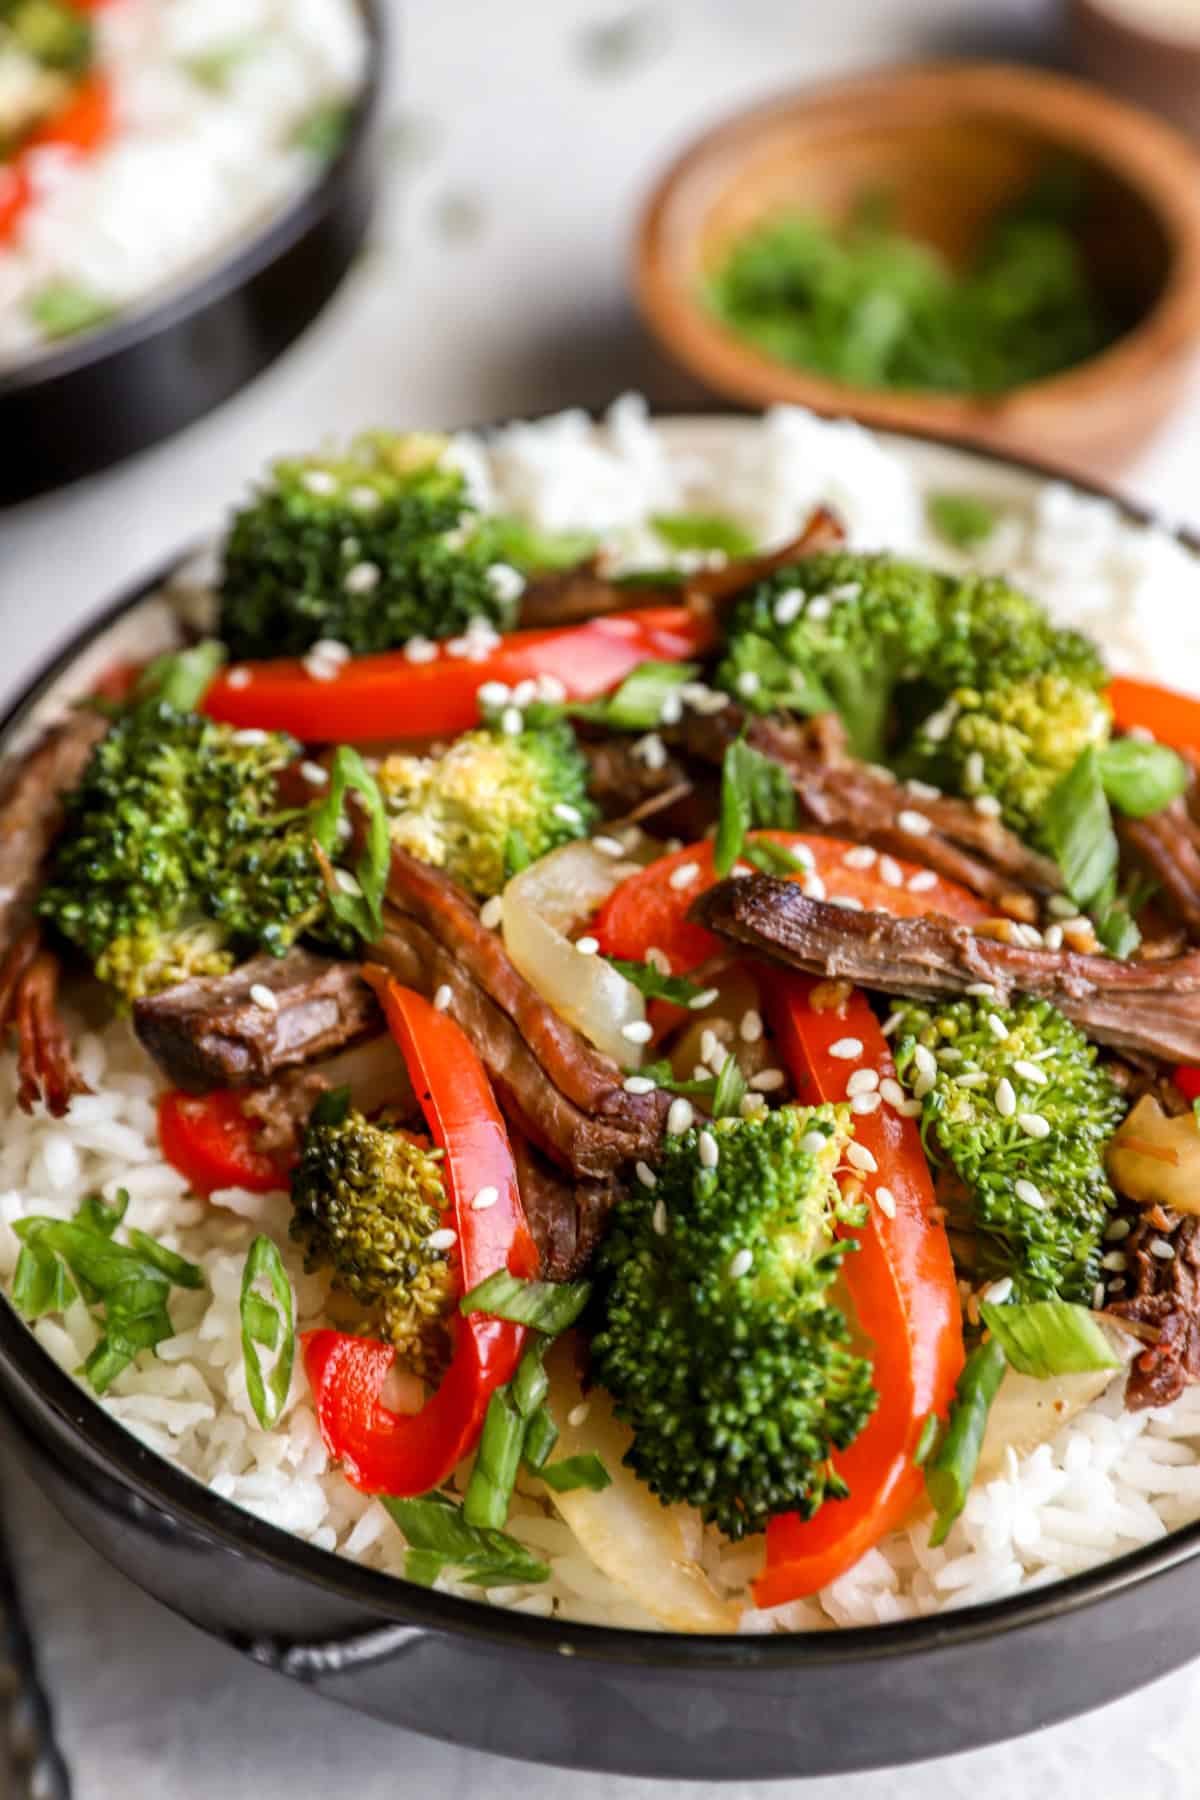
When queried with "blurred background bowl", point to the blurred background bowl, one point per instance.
{"points": [[950, 144], [1146, 50], [73, 410]]}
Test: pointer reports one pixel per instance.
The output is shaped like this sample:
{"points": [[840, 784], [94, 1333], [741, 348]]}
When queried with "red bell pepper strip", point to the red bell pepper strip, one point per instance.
{"points": [[82, 124], [211, 1142], [902, 1285], [382, 1451], [1187, 1080], [1173, 718], [386, 696], [647, 910]]}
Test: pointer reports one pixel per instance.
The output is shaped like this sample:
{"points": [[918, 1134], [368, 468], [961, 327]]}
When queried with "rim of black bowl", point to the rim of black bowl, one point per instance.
{"points": [[222, 272], [398, 1602]]}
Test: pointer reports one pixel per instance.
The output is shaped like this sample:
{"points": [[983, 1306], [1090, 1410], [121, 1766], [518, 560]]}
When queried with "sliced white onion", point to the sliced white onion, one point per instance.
{"points": [[1155, 1159], [647, 1549], [541, 905]]}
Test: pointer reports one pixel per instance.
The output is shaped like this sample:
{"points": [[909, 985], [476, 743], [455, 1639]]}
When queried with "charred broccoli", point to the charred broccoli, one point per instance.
{"points": [[490, 803], [1015, 1101], [366, 1203], [717, 1338], [369, 548]]}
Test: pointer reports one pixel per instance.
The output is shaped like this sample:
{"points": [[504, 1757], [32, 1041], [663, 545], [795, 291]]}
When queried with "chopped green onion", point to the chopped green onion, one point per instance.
{"points": [[951, 1469], [176, 1268], [702, 531], [573, 1472], [927, 1439], [963, 520], [531, 1384], [516, 854], [529, 548], [776, 859], [363, 912], [654, 985], [541, 1435], [436, 1529], [548, 1306], [182, 677], [271, 1325], [64, 308], [1049, 1337], [489, 1490], [730, 1089], [755, 791], [323, 132], [1141, 778], [637, 705]]}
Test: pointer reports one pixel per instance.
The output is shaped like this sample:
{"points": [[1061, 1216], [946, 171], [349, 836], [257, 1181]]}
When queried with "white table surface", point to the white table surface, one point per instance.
{"points": [[523, 134]]}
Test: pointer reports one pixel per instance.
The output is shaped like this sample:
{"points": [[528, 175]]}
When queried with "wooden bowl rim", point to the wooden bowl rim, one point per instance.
{"points": [[1150, 157]]}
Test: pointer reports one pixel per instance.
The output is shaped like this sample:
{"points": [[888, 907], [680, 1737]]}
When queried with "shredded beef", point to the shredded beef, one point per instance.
{"points": [[280, 1110], [210, 1033], [1166, 1301], [1150, 1008], [1167, 846], [567, 1216]]}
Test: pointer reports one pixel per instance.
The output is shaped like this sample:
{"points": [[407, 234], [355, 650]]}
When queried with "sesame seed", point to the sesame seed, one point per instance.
{"points": [[250, 737], [680, 1116], [846, 1049], [608, 846], [748, 683], [923, 790], [863, 1081], [996, 1026], [1052, 937], [314, 774], [891, 1091], [506, 583], [892, 1023], [568, 814], [420, 650], [820, 607], [525, 693], [710, 1153], [364, 499], [751, 1028], [890, 871], [740, 1263], [638, 1031], [1029, 1071], [1159, 1247], [512, 721], [813, 887], [578, 1414], [813, 1142], [948, 1054], [924, 1061], [658, 959], [443, 997], [1060, 907], [1033, 1125], [859, 1157], [363, 578], [671, 710], [320, 481], [587, 946], [238, 678], [922, 881], [861, 857], [973, 769], [885, 1200], [909, 1109], [938, 725], [443, 1239], [1098, 1297], [974, 1078], [924, 1084], [652, 751], [987, 806], [487, 1196], [347, 882], [865, 1103], [1119, 1229], [265, 997], [767, 1081], [491, 912], [751, 1105], [1029, 1193], [645, 1175], [914, 823], [1117, 1286], [550, 688], [847, 902], [684, 875], [999, 1291], [981, 990], [1006, 1098], [658, 1218], [1116, 1260], [704, 998]]}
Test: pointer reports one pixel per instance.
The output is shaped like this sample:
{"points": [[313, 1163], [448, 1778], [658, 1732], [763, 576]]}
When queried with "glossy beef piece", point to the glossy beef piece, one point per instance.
{"points": [[1166, 1303], [1166, 846], [210, 1033], [1148, 1008], [567, 1216]]}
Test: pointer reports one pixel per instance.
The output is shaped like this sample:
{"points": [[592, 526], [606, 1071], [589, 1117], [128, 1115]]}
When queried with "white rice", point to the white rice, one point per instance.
{"points": [[190, 168], [1108, 1482]]}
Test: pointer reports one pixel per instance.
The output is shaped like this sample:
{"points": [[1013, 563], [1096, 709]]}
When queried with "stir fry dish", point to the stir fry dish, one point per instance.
{"points": [[686, 1070]]}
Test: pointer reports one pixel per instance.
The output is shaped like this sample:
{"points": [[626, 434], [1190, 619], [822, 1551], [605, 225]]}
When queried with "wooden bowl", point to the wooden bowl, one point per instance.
{"points": [[950, 144]]}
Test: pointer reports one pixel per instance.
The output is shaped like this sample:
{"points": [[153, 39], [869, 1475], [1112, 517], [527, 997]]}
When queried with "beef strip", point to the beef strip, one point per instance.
{"points": [[210, 1033], [569, 1098], [570, 596], [280, 1110], [854, 799], [1146, 1007], [1166, 1301], [1167, 846], [626, 788], [567, 1217]]}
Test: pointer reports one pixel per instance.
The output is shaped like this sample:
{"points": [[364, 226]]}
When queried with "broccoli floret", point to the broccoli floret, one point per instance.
{"points": [[370, 548], [717, 1338], [176, 854], [1015, 1101], [55, 34], [1014, 742], [884, 643], [490, 803], [365, 1201]]}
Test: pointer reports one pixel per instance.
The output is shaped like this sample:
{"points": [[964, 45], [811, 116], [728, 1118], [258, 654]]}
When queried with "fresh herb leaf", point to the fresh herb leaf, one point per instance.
{"points": [[541, 1435], [434, 1529], [1049, 1337], [654, 985], [1079, 830], [41, 1283], [1117, 929], [637, 705], [363, 912], [271, 1323], [547, 1306], [574, 1472], [64, 308], [489, 1490], [703, 531], [963, 520], [1141, 778], [730, 1089], [755, 791], [181, 678], [950, 1471]]}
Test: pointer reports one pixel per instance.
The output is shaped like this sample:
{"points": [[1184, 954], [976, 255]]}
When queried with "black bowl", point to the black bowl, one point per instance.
{"points": [[699, 1708], [73, 410]]}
